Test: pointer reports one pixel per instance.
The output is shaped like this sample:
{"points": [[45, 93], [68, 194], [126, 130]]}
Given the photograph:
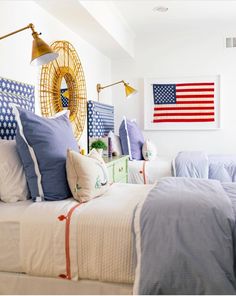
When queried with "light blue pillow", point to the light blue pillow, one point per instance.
{"points": [[131, 139], [42, 144]]}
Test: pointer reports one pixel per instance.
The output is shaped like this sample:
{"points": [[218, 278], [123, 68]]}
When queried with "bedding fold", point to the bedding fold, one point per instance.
{"points": [[188, 226]]}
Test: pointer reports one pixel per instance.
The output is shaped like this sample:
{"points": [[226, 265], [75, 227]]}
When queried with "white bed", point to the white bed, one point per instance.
{"points": [[148, 172], [101, 256]]}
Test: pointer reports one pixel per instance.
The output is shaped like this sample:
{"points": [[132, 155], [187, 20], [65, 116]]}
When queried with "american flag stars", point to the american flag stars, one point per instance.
{"points": [[164, 93]]}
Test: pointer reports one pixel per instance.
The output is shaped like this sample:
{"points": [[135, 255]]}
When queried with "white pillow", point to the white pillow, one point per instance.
{"points": [[149, 150], [115, 144], [13, 185], [87, 175]]}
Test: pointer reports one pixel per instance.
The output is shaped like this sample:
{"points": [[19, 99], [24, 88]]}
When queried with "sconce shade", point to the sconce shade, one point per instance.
{"points": [[129, 90], [41, 52]]}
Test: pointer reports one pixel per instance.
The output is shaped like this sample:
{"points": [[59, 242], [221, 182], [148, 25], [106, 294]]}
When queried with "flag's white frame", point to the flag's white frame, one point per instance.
{"points": [[148, 104]]}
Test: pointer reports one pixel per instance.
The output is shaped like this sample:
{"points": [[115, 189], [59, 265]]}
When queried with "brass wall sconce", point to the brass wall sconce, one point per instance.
{"points": [[128, 89], [41, 51]]}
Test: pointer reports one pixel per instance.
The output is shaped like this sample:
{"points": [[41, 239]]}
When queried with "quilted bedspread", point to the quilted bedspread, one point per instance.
{"points": [[88, 241]]}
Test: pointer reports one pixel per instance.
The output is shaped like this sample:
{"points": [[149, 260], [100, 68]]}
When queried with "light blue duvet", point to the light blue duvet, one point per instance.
{"points": [[185, 236]]}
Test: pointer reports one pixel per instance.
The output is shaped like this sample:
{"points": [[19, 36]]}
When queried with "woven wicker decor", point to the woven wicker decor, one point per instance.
{"points": [[54, 97]]}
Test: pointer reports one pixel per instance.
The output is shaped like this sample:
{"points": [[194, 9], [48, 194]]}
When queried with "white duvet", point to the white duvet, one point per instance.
{"points": [[100, 238], [10, 217]]}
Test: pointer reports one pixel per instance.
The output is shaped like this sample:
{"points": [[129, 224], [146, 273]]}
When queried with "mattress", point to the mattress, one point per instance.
{"points": [[148, 172], [10, 216]]}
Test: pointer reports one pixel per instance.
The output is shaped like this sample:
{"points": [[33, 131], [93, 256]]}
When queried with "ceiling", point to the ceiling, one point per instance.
{"points": [[113, 26], [186, 13]]}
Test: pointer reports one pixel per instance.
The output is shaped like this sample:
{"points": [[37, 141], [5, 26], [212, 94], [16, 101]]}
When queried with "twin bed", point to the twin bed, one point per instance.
{"points": [[189, 164], [173, 237]]}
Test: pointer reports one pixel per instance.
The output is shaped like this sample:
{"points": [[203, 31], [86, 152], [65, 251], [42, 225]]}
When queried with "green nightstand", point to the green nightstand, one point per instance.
{"points": [[117, 168]]}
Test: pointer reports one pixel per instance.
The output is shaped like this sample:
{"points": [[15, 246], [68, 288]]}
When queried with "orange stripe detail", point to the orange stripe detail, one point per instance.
{"points": [[67, 240]]}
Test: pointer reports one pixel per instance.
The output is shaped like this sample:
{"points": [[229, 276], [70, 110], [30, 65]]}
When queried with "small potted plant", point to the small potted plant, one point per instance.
{"points": [[99, 145]]}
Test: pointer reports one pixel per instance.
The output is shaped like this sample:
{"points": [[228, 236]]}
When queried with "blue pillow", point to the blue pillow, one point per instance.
{"points": [[42, 144], [131, 139]]}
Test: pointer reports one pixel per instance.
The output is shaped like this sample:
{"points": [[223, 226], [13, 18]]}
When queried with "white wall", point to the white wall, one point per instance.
{"points": [[173, 53], [15, 51]]}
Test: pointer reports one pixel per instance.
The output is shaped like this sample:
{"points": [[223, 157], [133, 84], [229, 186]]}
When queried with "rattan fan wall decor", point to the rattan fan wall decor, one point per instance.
{"points": [[65, 70]]}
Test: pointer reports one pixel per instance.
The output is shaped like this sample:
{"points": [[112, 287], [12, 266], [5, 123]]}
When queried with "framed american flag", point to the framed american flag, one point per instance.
{"points": [[182, 103]]}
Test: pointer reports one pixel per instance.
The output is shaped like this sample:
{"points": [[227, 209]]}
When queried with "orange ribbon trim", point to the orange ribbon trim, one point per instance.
{"points": [[67, 240]]}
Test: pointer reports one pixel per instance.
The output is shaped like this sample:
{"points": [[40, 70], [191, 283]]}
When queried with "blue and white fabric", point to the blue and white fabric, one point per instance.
{"points": [[42, 144], [197, 164], [21, 94], [16, 87], [188, 225], [100, 119], [64, 100]]}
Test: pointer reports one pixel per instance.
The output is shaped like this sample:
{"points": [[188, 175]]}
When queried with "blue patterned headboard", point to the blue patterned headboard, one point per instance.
{"points": [[19, 93], [100, 119]]}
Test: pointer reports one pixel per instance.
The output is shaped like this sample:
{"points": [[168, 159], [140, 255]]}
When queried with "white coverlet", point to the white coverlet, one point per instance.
{"points": [[101, 245], [10, 217]]}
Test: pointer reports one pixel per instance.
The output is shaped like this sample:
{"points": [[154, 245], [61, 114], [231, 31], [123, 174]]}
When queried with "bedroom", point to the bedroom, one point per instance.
{"points": [[140, 42]]}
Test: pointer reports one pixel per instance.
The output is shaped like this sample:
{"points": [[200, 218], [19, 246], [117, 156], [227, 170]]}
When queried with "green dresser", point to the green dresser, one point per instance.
{"points": [[117, 168]]}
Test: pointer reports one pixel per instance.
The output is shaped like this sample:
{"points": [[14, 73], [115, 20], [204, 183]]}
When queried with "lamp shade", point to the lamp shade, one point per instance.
{"points": [[41, 52], [129, 90]]}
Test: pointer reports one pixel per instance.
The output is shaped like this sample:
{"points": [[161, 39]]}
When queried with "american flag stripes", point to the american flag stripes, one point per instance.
{"points": [[184, 102]]}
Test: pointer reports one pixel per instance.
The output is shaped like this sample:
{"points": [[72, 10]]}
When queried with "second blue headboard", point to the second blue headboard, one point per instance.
{"points": [[100, 119]]}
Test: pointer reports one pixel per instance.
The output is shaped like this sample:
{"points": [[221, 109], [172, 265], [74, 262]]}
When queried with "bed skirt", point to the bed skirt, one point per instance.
{"points": [[17, 283]]}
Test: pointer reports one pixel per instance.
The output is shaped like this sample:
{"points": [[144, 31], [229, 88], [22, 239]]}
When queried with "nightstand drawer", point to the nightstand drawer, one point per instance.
{"points": [[117, 167], [120, 171]]}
